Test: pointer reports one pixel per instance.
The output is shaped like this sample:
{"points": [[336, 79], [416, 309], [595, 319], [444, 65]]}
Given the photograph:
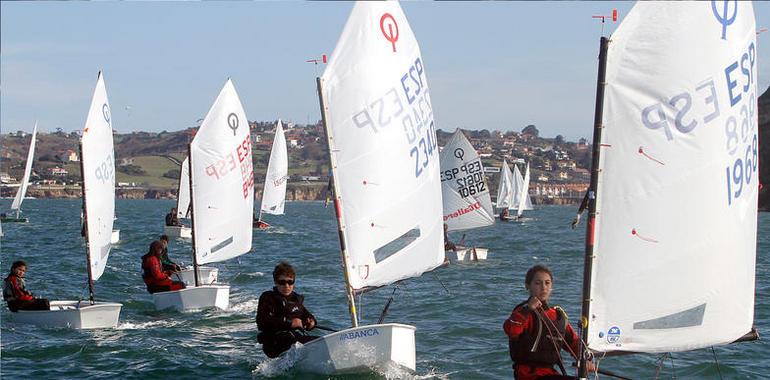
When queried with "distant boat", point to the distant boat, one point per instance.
{"points": [[274, 192], [16, 205], [385, 179], [222, 200], [505, 191], [671, 239], [521, 195], [98, 168], [465, 194], [182, 204]]}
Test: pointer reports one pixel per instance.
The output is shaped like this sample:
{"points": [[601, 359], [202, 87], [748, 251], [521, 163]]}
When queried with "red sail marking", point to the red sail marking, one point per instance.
{"points": [[647, 239], [641, 151]]}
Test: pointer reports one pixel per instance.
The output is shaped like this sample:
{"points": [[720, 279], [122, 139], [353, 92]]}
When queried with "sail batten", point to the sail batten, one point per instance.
{"points": [[383, 145], [676, 199], [222, 191]]}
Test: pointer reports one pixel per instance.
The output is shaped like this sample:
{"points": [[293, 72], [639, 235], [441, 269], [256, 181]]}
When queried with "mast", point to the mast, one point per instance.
{"points": [[337, 210], [589, 240], [192, 215], [85, 225]]}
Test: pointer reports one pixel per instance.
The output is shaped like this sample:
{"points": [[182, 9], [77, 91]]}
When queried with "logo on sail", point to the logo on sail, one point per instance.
{"points": [[463, 211], [232, 122], [725, 18], [391, 34], [106, 112], [613, 335]]}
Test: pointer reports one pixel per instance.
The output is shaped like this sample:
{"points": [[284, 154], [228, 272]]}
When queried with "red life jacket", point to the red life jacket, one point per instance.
{"points": [[538, 344], [14, 289], [153, 271]]}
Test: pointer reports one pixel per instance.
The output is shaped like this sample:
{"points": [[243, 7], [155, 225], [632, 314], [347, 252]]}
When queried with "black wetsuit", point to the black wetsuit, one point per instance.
{"points": [[274, 315]]}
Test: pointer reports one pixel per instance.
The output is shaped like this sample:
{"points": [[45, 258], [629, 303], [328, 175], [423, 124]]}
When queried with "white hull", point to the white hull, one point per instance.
{"points": [[206, 275], [115, 237], [360, 349], [178, 232], [72, 314], [467, 254], [201, 297]]}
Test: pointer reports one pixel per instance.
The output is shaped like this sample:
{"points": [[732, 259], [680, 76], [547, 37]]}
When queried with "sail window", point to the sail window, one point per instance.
{"points": [[222, 244], [686, 318], [396, 245]]}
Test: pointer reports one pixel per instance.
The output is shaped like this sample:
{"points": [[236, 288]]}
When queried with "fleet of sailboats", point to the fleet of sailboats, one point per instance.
{"points": [[274, 192], [662, 149]]}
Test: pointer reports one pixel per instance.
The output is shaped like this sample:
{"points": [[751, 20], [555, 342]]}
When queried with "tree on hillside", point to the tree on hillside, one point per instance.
{"points": [[531, 130], [558, 140], [132, 170]]}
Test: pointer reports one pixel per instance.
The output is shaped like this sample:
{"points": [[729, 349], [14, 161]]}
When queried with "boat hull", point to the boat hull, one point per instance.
{"points": [[14, 220], [72, 314], [206, 275], [179, 232], [467, 254], [360, 349], [115, 237], [200, 297]]}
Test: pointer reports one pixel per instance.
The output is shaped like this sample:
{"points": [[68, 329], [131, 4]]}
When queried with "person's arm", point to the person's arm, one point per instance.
{"points": [[308, 319], [268, 316], [515, 325], [156, 269]]}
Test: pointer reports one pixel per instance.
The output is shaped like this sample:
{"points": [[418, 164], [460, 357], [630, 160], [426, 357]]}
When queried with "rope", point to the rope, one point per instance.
{"points": [[442, 283], [719, 371]]}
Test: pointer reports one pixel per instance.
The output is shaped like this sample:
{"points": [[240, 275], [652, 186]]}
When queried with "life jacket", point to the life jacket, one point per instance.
{"points": [[536, 345], [13, 284]]}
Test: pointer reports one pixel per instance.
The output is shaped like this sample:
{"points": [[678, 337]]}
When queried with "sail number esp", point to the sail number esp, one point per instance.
{"points": [[227, 165], [468, 179]]}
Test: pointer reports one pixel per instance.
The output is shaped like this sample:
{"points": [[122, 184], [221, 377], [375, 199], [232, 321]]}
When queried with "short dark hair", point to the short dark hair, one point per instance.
{"points": [[537, 268], [283, 269], [154, 246], [164, 237], [18, 263]]}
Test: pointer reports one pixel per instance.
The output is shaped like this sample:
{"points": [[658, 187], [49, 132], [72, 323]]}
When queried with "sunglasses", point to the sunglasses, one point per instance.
{"points": [[284, 282]]}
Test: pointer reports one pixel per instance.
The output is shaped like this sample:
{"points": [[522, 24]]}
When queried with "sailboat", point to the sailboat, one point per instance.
{"points": [[521, 197], [465, 194], [385, 178], [222, 200], [274, 192], [674, 182], [182, 204], [505, 191], [16, 205], [98, 172]]}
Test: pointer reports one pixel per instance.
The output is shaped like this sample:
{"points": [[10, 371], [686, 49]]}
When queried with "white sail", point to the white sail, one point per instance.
{"points": [[183, 196], [274, 193], [383, 146], [506, 188], [523, 192], [464, 187], [16, 205], [676, 225], [222, 181], [98, 159]]}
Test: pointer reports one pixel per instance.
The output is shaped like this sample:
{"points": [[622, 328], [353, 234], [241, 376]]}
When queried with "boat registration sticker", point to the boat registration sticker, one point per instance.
{"points": [[613, 335]]}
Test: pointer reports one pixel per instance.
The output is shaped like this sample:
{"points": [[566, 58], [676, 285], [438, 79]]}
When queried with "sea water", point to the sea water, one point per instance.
{"points": [[458, 310]]}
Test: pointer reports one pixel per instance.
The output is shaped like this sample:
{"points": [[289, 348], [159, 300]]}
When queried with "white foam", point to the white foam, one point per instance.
{"points": [[145, 325], [280, 365], [249, 306]]}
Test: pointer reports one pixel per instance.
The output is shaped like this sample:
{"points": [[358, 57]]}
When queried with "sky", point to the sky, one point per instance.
{"points": [[490, 65]]}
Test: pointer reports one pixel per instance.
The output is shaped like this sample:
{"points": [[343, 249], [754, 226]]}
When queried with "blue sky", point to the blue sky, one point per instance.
{"points": [[491, 65]]}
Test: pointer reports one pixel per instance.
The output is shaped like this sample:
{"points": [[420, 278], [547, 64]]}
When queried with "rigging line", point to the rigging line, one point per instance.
{"points": [[541, 316], [540, 312], [660, 361], [442, 283], [719, 371], [673, 369], [387, 305]]}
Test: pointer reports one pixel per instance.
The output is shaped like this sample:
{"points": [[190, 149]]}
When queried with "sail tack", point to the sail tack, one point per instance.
{"points": [[382, 140], [676, 224], [16, 205], [98, 159], [274, 193], [223, 181], [464, 187]]}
